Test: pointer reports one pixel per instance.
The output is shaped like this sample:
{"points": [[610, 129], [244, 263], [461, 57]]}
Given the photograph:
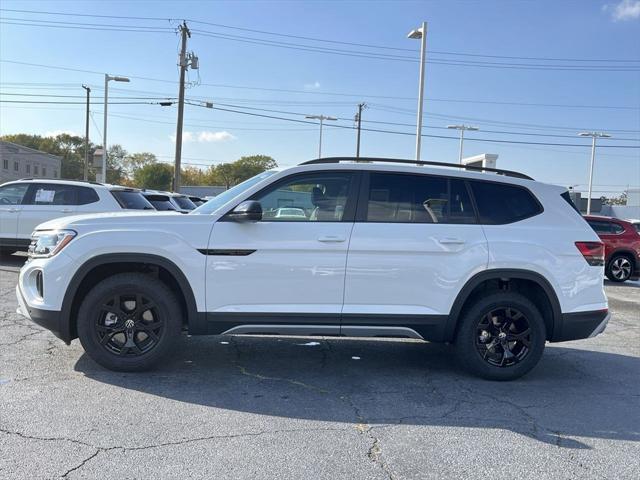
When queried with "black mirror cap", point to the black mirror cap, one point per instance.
{"points": [[247, 211]]}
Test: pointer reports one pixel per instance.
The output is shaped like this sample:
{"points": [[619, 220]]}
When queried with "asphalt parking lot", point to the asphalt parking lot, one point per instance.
{"points": [[247, 407]]}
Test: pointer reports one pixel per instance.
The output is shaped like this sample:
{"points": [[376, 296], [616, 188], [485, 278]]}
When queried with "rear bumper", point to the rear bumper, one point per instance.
{"points": [[576, 326], [49, 319]]}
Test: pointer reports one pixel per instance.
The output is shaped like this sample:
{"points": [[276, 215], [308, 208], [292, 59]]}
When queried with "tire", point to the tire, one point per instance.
{"points": [[619, 268], [492, 340], [129, 322]]}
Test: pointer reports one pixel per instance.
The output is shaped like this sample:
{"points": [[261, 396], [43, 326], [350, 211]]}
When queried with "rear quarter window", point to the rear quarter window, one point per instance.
{"points": [[87, 195], [501, 203]]}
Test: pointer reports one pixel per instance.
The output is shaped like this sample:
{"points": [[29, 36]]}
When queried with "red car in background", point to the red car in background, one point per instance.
{"points": [[621, 247]]}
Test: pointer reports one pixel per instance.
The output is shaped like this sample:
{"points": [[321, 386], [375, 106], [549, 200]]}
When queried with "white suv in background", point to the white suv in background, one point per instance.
{"points": [[494, 262], [24, 204]]}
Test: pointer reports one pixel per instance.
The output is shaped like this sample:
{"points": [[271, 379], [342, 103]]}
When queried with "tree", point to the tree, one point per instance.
{"points": [[621, 200], [193, 176], [247, 167], [115, 166], [156, 176], [230, 174], [133, 162], [226, 173]]}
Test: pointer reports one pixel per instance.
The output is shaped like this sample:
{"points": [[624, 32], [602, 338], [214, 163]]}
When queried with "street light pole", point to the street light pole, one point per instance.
{"points": [[462, 129], [420, 33], [593, 136], [105, 155], [322, 118], [86, 137]]}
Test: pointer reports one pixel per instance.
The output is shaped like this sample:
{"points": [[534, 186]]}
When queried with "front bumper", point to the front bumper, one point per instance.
{"points": [[578, 325], [49, 319]]}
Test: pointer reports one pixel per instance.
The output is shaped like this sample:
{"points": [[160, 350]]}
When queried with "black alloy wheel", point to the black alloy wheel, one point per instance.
{"points": [[129, 325], [503, 337], [130, 321]]}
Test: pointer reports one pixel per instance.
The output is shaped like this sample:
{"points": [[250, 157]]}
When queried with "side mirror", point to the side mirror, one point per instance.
{"points": [[247, 211]]}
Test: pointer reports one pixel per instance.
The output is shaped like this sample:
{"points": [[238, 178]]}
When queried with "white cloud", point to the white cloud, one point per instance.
{"points": [[55, 133], [215, 136], [186, 137], [204, 136], [312, 86], [624, 10]]}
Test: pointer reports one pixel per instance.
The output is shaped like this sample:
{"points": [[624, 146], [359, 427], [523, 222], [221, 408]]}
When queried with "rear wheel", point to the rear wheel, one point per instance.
{"points": [[129, 321], [501, 336], [619, 268]]}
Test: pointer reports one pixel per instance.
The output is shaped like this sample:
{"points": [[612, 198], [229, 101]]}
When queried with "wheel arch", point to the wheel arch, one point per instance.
{"points": [[553, 317], [109, 264]]}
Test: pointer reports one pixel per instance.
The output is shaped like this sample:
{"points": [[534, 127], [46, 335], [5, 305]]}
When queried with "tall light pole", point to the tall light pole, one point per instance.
{"points": [[420, 34], [462, 129], [322, 118], [593, 136], [86, 136], [105, 155]]}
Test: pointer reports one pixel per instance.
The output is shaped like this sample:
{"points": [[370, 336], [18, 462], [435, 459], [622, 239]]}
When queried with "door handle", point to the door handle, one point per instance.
{"points": [[66, 210], [451, 241], [13, 210], [331, 239]]}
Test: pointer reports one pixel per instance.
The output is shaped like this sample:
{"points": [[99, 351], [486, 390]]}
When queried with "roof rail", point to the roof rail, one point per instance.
{"points": [[499, 171], [58, 180]]}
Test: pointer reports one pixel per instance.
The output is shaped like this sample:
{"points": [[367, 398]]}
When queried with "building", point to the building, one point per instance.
{"points": [[486, 160], [18, 162]]}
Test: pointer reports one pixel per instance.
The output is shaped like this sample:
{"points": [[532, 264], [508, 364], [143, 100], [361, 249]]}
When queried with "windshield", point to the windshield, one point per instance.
{"points": [[160, 202], [131, 200], [184, 203], [217, 202]]}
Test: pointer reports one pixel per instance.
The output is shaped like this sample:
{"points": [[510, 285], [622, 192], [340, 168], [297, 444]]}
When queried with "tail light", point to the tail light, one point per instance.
{"points": [[593, 252]]}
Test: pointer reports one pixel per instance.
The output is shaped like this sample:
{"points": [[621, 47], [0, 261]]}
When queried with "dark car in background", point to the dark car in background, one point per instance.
{"points": [[622, 247]]}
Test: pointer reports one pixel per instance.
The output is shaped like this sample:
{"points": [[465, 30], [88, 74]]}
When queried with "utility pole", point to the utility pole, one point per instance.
{"points": [[186, 33], [86, 137], [593, 136], [361, 106]]}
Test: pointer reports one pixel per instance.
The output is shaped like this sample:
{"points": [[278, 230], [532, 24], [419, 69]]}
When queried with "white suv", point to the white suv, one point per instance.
{"points": [[25, 204], [495, 263]]}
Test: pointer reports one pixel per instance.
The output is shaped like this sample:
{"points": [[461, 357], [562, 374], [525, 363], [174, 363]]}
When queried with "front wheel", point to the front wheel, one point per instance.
{"points": [[619, 268], [129, 321], [501, 336]]}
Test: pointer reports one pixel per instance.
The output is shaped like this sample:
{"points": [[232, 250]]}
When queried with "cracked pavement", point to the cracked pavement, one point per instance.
{"points": [[265, 407]]}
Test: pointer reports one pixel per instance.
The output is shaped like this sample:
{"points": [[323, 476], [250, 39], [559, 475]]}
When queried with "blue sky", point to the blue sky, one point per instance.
{"points": [[490, 98]]}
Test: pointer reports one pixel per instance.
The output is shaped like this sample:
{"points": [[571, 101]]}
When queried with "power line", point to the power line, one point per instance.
{"points": [[409, 133], [334, 51], [323, 40], [21, 85]]}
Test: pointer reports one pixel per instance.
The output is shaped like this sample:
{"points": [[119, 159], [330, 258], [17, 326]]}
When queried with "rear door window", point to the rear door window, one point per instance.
{"points": [[44, 194], [501, 203], [407, 198]]}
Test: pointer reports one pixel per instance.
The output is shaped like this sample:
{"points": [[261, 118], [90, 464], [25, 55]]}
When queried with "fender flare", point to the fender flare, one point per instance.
{"points": [[196, 321], [504, 273]]}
